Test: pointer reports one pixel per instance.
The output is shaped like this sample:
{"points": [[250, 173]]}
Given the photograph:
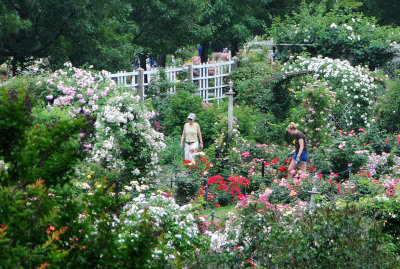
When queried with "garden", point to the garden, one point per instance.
{"points": [[93, 176]]}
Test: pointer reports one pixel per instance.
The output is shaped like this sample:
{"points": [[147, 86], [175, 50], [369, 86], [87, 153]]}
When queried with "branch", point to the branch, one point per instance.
{"points": [[36, 23]]}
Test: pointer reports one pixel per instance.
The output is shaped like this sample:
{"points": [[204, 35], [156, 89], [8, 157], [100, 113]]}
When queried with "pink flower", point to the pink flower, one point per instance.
{"points": [[292, 193], [245, 154]]}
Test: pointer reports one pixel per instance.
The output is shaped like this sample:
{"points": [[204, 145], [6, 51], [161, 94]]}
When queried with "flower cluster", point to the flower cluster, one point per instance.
{"points": [[223, 192], [125, 139], [81, 91], [354, 87], [177, 229]]}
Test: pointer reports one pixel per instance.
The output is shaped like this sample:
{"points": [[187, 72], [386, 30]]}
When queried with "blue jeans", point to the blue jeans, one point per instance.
{"points": [[303, 156]]}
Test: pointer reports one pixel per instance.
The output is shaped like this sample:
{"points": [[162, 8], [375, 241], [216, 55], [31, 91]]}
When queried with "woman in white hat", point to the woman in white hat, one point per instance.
{"points": [[191, 134]]}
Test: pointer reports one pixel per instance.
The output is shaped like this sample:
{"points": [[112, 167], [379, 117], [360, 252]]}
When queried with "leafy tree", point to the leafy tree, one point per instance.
{"points": [[163, 26], [59, 31], [230, 26], [337, 32], [385, 11]]}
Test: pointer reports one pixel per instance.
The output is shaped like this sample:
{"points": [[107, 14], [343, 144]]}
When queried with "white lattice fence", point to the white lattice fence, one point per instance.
{"points": [[209, 78]]}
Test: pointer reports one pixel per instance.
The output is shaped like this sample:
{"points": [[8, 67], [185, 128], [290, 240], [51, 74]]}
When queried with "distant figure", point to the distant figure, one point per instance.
{"points": [[216, 51], [191, 134], [153, 63], [300, 153], [199, 50]]}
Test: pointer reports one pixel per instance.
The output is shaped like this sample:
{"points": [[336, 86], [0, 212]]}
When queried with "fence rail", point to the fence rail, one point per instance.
{"points": [[209, 78]]}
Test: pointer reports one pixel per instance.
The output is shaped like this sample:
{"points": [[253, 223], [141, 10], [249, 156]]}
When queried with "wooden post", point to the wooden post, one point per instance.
{"points": [[190, 72], [230, 109], [141, 83]]}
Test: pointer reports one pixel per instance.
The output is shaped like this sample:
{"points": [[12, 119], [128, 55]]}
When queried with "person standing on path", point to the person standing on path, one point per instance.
{"points": [[191, 134], [300, 153]]}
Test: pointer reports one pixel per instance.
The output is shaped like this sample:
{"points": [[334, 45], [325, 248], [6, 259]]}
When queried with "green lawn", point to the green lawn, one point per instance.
{"points": [[220, 213]]}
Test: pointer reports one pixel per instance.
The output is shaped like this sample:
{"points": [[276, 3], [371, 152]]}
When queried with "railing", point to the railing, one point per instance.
{"points": [[209, 78]]}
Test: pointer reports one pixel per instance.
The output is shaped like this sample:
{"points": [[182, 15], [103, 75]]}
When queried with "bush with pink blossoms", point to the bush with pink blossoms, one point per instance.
{"points": [[80, 91]]}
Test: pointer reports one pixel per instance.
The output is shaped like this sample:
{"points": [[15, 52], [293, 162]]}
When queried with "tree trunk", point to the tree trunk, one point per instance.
{"points": [[204, 52], [234, 48], [142, 58], [161, 60]]}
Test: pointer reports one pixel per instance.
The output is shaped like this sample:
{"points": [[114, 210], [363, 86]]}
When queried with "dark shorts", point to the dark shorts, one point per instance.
{"points": [[303, 156]]}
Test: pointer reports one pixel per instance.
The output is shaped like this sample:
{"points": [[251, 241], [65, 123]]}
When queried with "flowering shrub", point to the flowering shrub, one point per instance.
{"points": [[354, 87], [336, 32], [82, 91], [290, 237], [31, 237], [179, 238], [222, 192], [317, 102], [124, 138]]}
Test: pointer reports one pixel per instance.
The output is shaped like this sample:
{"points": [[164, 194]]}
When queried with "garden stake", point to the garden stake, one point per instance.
{"points": [[262, 169], [350, 168], [116, 189], [212, 215], [206, 194], [313, 192]]}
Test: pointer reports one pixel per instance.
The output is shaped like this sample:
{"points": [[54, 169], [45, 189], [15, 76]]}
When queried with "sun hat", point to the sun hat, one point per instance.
{"points": [[191, 116]]}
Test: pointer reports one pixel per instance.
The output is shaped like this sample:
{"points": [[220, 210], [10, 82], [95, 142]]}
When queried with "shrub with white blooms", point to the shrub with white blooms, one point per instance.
{"points": [[355, 87], [179, 236], [125, 140]]}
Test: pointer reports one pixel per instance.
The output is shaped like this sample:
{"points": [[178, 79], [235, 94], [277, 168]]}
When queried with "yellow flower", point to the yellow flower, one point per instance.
{"points": [[89, 176]]}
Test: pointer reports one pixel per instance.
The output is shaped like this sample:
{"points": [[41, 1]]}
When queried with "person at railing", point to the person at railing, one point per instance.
{"points": [[300, 154], [191, 134], [216, 52]]}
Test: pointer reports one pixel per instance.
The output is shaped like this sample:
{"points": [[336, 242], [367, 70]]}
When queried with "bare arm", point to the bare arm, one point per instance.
{"points": [[183, 136], [200, 137], [301, 143]]}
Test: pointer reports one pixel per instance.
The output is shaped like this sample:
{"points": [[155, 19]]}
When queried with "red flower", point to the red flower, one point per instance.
{"points": [[203, 160], [387, 139], [274, 161], [312, 168], [282, 169]]}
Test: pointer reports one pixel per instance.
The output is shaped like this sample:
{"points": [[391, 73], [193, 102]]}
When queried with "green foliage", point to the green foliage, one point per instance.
{"points": [[332, 235], [336, 32], [172, 153], [181, 104], [186, 190], [29, 228], [249, 83], [14, 119], [340, 154], [388, 108], [35, 148], [386, 210]]}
